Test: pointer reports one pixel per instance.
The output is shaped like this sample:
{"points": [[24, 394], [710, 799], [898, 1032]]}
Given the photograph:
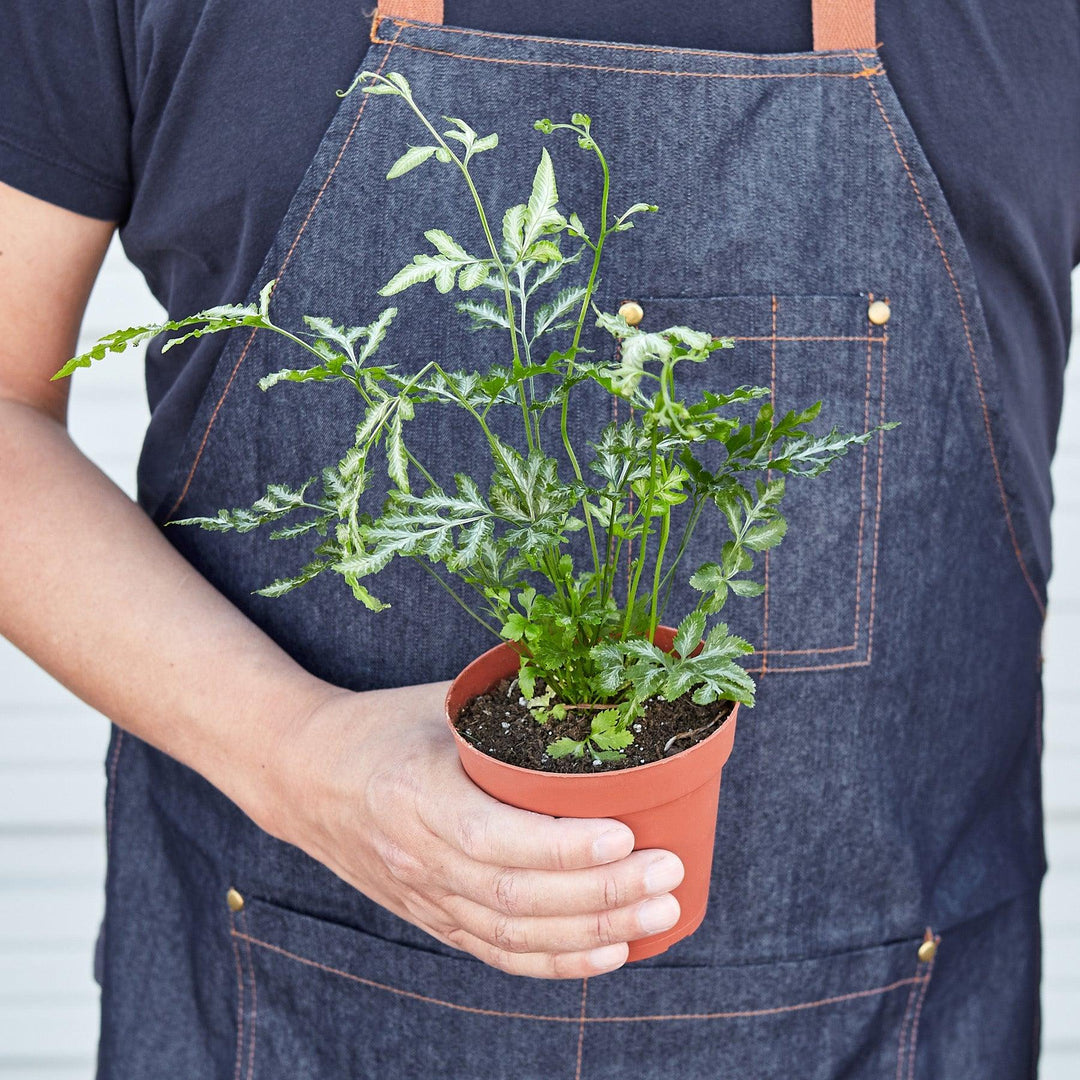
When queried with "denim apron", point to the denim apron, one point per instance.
{"points": [[874, 903]]}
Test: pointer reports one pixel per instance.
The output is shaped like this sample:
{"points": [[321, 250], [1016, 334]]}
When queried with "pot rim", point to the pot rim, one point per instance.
{"points": [[604, 775]]}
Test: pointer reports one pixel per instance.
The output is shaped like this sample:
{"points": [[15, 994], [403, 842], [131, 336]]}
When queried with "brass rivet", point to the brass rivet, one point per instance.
{"points": [[234, 900], [878, 312], [927, 951], [632, 312]]}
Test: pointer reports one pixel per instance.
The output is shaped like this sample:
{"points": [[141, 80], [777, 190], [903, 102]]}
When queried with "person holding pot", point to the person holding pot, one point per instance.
{"points": [[302, 881]]}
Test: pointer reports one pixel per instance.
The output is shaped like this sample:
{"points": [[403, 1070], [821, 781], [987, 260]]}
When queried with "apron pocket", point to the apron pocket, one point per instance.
{"points": [[818, 611], [323, 1000]]}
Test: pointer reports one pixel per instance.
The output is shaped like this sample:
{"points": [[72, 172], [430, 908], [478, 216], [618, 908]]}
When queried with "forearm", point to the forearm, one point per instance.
{"points": [[91, 590]]}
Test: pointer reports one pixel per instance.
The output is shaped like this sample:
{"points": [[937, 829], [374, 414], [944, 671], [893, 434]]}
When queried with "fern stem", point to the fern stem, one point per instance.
{"points": [[492, 246], [665, 526], [479, 618], [669, 577], [646, 513]]}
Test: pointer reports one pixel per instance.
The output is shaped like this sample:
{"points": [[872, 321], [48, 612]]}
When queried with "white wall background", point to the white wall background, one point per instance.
{"points": [[52, 748]]}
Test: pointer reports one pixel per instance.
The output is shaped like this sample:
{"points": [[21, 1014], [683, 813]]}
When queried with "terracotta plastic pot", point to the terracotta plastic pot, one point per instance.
{"points": [[667, 804]]}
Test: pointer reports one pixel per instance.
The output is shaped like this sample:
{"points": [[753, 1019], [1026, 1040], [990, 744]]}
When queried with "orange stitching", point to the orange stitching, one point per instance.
{"points": [[877, 516], [866, 73], [814, 667], [667, 50], [971, 350], [874, 566], [862, 482], [918, 1013], [877, 505], [411, 994], [581, 1029], [748, 1014], [807, 652], [770, 337], [474, 1010], [280, 274], [904, 1027], [254, 999], [768, 476], [239, 998]]}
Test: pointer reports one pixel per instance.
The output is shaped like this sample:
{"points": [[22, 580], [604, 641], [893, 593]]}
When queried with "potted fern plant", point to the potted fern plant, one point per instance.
{"points": [[567, 549]]}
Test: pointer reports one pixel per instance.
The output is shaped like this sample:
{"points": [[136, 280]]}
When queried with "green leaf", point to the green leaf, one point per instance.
{"points": [[484, 313], [300, 528], [513, 223], [766, 536], [365, 597], [474, 274], [559, 313], [540, 213], [728, 501], [707, 577], [689, 633], [317, 374], [264, 297], [211, 321], [464, 133], [616, 740], [565, 747], [606, 721], [544, 251], [445, 244], [526, 677], [444, 278], [373, 420], [415, 155], [286, 585], [422, 268], [375, 332], [514, 629], [278, 501], [743, 587], [397, 463], [576, 228]]}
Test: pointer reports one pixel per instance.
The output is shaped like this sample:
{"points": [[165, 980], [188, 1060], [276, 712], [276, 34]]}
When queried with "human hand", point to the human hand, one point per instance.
{"points": [[372, 787]]}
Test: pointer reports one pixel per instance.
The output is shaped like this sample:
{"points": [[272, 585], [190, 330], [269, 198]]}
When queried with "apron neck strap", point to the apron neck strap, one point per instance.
{"points": [[838, 24]]}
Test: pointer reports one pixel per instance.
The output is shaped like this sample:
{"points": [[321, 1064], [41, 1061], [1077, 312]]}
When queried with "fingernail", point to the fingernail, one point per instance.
{"points": [[610, 846], [659, 914], [663, 875], [608, 958]]}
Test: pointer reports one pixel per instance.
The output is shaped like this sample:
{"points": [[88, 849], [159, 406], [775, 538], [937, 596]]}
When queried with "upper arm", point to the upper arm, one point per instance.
{"points": [[49, 258]]}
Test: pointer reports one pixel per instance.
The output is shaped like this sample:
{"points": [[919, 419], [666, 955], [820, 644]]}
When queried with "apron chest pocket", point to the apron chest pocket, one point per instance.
{"points": [[818, 611], [324, 1001]]}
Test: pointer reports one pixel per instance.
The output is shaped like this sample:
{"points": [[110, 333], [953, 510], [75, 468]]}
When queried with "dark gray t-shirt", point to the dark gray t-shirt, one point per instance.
{"points": [[191, 124]]}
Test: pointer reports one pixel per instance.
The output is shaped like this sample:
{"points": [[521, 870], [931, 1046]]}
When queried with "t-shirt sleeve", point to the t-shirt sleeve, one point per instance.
{"points": [[65, 114]]}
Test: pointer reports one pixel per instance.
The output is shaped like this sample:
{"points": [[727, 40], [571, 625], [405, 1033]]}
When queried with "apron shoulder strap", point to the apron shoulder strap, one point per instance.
{"points": [[843, 24], [838, 24], [429, 11]]}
